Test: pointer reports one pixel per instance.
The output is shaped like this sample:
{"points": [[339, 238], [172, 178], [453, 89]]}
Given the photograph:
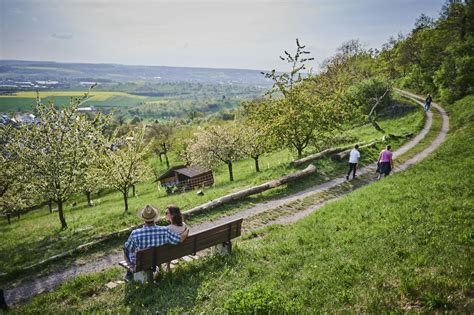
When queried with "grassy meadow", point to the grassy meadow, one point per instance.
{"points": [[403, 244], [39, 235]]}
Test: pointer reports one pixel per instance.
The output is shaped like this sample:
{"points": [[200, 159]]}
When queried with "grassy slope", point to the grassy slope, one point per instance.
{"points": [[40, 236], [403, 243]]}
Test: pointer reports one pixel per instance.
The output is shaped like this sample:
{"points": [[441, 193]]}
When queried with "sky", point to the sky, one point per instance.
{"points": [[245, 34]]}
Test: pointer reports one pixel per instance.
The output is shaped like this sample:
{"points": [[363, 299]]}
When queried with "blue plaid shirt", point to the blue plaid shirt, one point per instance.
{"points": [[149, 236]]}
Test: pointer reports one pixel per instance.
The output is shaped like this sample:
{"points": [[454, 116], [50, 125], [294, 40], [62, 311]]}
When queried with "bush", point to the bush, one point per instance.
{"points": [[455, 78], [362, 95]]}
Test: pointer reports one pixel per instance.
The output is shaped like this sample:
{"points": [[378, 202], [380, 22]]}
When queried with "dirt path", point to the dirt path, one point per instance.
{"points": [[25, 291]]}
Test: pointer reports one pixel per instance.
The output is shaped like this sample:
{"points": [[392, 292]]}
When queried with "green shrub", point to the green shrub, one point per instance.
{"points": [[362, 95]]}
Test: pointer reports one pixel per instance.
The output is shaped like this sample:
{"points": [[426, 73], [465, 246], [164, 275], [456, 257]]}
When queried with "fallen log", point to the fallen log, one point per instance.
{"points": [[344, 154], [318, 155], [250, 191]]}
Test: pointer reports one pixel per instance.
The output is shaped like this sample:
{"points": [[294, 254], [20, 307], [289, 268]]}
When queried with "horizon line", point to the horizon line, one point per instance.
{"points": [[132, 65]]}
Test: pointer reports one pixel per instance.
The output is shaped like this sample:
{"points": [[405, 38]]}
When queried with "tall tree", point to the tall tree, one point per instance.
{"points": [[255, 142], [56, 151], [125, 162], [161, 135], [215, 145], [303, 107], [94, 179], [16, 189]]}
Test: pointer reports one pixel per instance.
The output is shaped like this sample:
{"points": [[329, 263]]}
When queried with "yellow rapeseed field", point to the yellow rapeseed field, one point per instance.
{"points": [[94, 96]]}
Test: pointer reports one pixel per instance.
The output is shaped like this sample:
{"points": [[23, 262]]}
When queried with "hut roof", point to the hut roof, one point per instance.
{"points": [[188, 171]]}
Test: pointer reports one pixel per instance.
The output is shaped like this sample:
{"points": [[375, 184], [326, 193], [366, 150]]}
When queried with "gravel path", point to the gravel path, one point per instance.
{"points": [[25, 291]]}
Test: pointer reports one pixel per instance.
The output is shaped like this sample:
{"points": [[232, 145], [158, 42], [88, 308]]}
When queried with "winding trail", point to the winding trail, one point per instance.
{"points": [[27, 290]]}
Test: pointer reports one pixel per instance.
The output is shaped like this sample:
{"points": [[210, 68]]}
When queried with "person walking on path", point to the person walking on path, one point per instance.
{"points": [[428, 102], [385, 161], [353, 160], [150, 235]]}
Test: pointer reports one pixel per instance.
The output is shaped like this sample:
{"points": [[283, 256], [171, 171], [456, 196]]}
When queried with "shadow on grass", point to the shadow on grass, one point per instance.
{"points": [[179, 290]]}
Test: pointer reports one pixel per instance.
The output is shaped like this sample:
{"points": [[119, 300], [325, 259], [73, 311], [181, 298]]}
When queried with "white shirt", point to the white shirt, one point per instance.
{"points": [[355, 155]]}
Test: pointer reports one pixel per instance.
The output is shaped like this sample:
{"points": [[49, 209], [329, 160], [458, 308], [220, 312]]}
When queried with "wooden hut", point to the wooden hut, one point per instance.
{"points": [[184, 178]]}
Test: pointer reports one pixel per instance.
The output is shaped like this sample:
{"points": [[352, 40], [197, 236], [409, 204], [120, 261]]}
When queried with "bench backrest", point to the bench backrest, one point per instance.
{"points": [[151, 257]]}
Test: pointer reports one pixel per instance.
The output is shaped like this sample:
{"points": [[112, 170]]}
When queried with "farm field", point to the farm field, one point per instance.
{"points": [[409, 250], [41, 230], [25, 101], [170, 103]]}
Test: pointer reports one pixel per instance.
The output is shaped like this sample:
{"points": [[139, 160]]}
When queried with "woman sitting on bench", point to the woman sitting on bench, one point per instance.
{"points": [[174, 216]]}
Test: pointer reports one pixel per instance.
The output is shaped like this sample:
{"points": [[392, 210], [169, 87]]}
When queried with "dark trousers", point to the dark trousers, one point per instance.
{"points": [[3, 303], [352, 168], [129, 274]]}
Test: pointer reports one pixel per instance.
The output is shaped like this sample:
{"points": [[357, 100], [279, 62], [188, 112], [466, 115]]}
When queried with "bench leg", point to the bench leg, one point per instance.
{"points": [[227, 246], [223, 249], [143, 276], [3, 303]]}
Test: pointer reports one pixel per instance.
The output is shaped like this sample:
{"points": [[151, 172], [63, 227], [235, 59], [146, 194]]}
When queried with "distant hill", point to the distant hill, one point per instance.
{"points": [[70, 73]]}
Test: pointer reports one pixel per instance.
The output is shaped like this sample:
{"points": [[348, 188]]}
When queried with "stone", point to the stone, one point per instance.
{"points": [[111, 285]]}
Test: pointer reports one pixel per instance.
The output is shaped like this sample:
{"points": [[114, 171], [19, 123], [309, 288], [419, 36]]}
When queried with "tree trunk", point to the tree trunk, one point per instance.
{"points": [[159, 156], [8, 218], [50, 206], [300, 151], [89, 200], [125, 199], [167, 161], [134, 193], [257, 168], [376, 126], [165, 153], [231, 174], [61, 214], [18, 215]]}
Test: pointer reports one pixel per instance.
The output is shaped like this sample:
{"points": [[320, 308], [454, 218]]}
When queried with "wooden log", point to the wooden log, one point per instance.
{"points": [[250, 191], [318, 155], [344, 154]]}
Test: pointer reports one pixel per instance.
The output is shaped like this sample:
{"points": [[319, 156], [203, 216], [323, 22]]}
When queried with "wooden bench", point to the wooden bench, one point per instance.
{"points": [[147, 259]]}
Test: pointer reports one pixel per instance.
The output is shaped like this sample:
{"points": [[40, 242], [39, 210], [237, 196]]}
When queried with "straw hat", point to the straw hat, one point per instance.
{"points": [[149, 213]]}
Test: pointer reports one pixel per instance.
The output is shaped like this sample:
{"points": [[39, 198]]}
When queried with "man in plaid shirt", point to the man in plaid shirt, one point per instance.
{"points": [[150, 235]]}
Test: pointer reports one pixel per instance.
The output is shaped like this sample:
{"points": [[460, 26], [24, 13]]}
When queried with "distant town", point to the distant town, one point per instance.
{"points": [[7, 85]]}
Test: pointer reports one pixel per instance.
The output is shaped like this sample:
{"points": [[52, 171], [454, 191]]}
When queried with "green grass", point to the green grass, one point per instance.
{"points": [[39, 235], [404, 243]]}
